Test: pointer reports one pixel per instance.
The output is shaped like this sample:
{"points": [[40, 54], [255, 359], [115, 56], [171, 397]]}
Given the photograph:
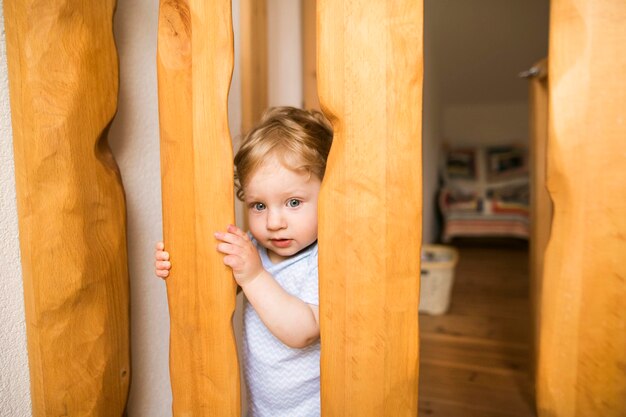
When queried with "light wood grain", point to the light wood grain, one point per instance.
{"points": [[63, 81], [582, 363], [475, 389], [370, 87], [309, 54], [194, 62], [540, 203], [254, 64]]}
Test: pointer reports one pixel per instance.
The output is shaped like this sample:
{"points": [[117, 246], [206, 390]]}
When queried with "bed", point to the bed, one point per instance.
{"points": [[484, 192]]}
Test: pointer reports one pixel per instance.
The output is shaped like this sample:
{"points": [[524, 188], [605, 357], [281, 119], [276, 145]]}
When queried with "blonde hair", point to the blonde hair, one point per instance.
{"points": [[301, 140]]}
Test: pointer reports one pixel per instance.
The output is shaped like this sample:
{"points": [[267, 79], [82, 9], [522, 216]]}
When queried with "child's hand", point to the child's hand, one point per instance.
{"points": [[162, 264], [241, 255]]}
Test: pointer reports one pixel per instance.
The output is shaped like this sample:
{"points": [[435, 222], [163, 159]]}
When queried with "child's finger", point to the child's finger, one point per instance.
{"points": [[162, 273], [227, 237], [159, 246], [163, 265], [232, 261], [228, 248], [162, 256], [237, 231]]}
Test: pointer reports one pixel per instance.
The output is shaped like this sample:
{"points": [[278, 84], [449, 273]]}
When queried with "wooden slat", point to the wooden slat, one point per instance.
{"points": [[583, 319], [195, 61], [63, 80], [540, 203], [254, 65], [309, 55], [370, 87]]}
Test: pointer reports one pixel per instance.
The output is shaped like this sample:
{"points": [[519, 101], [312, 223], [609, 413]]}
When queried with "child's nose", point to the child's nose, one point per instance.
{"points": [[275, 220]]}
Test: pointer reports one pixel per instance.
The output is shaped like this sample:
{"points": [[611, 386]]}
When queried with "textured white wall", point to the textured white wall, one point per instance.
{"points": [[284, 53], [14, 379], [134, 138]]}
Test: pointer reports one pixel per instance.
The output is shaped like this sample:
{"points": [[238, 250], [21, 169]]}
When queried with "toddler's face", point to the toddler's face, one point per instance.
{"points": [[282, 209]]}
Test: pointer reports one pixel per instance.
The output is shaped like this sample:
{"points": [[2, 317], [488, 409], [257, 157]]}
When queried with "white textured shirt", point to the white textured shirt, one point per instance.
{"points": [[283, 381]]}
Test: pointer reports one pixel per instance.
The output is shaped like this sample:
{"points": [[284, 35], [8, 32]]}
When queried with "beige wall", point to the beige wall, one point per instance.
{"points": [[481, 46], [134, 138], [485, 124], [284, 53]]}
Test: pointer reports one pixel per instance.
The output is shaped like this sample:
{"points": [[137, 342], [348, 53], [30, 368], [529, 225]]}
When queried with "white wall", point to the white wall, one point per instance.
{"points": [[284, 53], [134, 139], [14, 378]]}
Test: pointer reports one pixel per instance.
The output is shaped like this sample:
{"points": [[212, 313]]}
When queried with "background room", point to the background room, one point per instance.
{"points": [[476, 358]]}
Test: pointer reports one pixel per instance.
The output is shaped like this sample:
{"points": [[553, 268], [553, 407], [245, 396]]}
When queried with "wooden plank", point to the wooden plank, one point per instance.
{"points": [[491, 306], [583, 339], [443, 408], [370, 86], [504, 296], [503, 282], [495, 328], [254, 64], [309, 54], [63, 81], [477, 390], [540, 203], [505, 357], [194, 62]]}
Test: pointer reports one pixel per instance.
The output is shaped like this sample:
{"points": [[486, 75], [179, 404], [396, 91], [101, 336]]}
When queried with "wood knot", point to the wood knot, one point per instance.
{"points": [[174, 34]]}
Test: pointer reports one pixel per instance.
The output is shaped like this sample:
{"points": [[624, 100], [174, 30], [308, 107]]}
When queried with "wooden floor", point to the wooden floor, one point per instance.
{"points": [[475, 359]]}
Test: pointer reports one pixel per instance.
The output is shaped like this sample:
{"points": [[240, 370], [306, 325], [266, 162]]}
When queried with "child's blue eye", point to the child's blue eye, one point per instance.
{"points": [[258, 206], [293, 203]]}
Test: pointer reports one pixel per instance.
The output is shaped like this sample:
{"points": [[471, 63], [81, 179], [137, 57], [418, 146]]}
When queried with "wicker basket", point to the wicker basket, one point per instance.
{"points": [[438, 263]]}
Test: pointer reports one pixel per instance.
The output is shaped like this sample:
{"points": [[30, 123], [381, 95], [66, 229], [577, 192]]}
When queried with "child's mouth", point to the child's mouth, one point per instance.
{"points": [[281, 243]]}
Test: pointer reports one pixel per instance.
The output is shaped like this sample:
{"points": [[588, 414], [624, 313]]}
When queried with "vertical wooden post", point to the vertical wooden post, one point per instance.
{"points": [[309, 54], [195, 61], [63, 82], [370, 87], [582, 363], [254, 65], [540, 203]]}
